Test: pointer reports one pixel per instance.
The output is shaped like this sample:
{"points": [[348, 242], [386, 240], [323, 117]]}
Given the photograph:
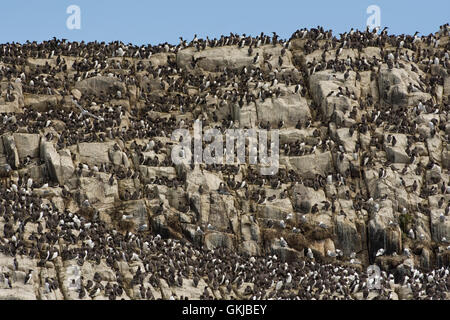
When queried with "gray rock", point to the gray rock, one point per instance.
{"points": [[349, 238], [309, 165], [322, 84], [381, 235], [27, 144], [231, 57], [59, 164], [12, 106], [289, 107], [215, 240], [95, 153], [98, 84], [446, 159], [396, 153], [10, 149], [286, 254], [42, 102]]}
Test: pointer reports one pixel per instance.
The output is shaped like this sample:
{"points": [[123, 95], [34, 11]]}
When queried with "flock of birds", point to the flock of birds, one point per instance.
{"points": [[38, 229], [181, 263]]}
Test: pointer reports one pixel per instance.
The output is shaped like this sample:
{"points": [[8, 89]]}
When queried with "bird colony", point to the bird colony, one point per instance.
{"points": [[92, 207]]}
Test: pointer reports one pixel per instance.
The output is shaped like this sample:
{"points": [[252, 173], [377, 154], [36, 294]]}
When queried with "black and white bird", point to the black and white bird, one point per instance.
{"points": [[28, 276]]}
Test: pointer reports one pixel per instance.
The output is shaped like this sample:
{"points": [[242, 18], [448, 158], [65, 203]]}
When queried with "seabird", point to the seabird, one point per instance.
{"points": [[309, 254], [28, 276], [380, 252]]}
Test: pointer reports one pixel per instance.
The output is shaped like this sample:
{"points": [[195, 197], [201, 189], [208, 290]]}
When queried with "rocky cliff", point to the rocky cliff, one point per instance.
{"points": [[94, 207]]}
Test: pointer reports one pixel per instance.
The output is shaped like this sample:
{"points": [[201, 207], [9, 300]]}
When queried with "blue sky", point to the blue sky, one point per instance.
{"points": [[141, 22]]}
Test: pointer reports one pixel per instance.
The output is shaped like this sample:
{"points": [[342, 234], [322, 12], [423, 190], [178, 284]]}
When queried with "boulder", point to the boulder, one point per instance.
{"points": [[383, 235], [152, 172], [289, 108], [231, 57], [396, 153], [222, 212], [98, 84], [98, 190], [41, 102], [138, 210], [95, 153], [439, 229], [11, 106], [324, 83], [196, 178], [247, 115], [393, 86], [27, 144], [59, 164], [76, 94], [446, 159], [309, 166], [349, 238], [285, 254], [10, 149], [304, 198], [215, 240]]}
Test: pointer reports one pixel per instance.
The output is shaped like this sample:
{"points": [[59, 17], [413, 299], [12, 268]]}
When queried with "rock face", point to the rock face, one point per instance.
{"points": [[309, 166], [27, 145], [59, 164], [13, 100], [92, 202], [289, 109], [95, 153], [100, 85], [10, 150]]}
